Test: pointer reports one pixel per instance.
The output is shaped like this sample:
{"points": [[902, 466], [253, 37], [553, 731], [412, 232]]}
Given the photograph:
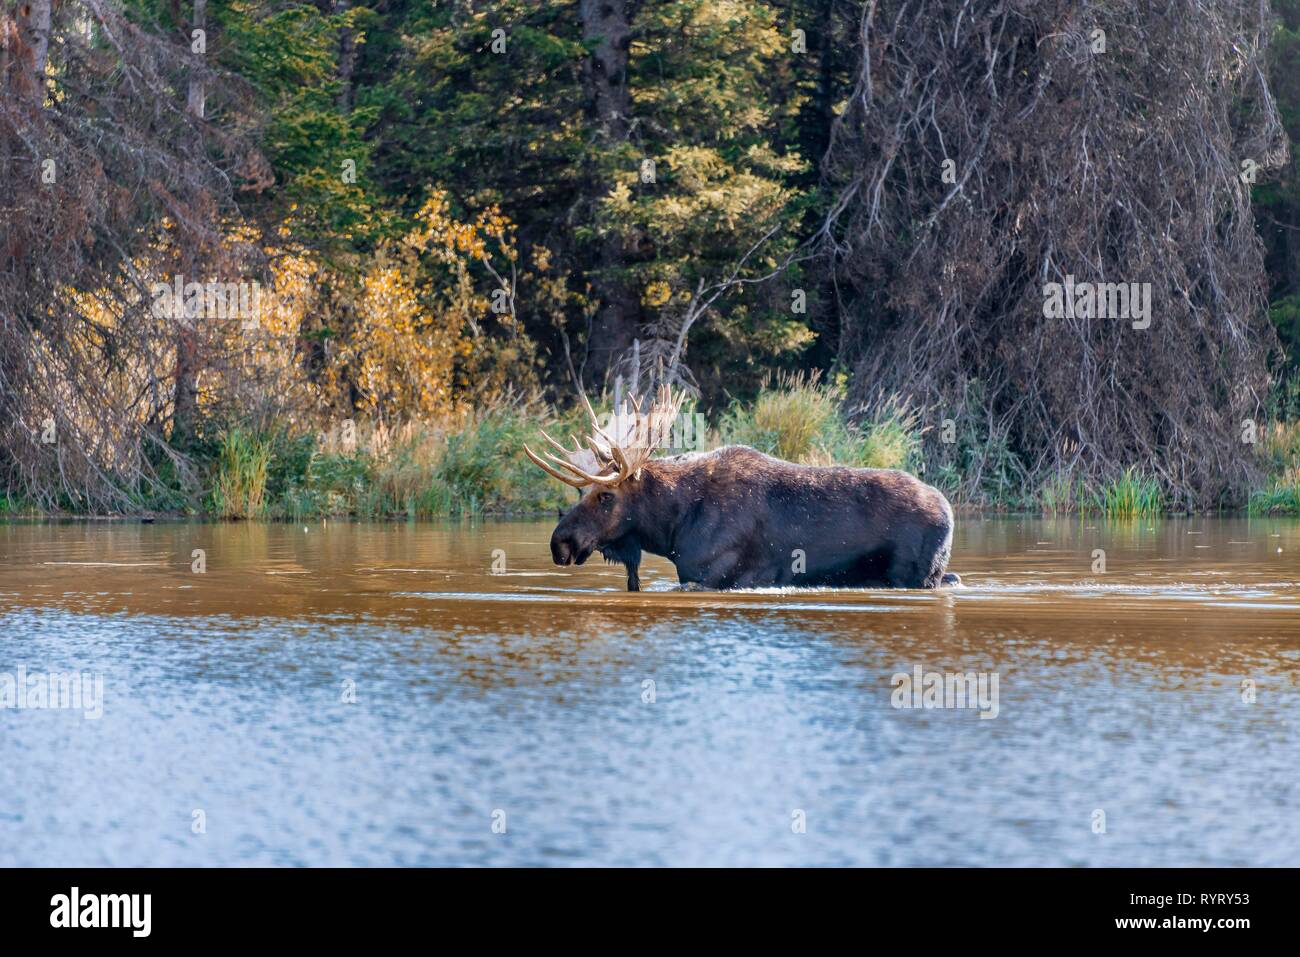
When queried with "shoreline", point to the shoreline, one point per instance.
{"points": [[969, 512]]}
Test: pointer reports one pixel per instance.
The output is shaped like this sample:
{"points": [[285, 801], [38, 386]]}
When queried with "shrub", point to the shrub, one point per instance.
{"points": [[239, 487], [798, 418], [1130, 495]]}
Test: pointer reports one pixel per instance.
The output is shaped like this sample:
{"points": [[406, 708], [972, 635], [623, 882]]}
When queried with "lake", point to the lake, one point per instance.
{"points": [[417, 694]]}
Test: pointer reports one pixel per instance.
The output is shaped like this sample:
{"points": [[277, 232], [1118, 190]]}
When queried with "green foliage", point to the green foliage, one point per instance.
{"points": [[468, 467], [799, 418], [714, 94], [1129, 495], [978, 466], [474, 465], [1064, 494], [1277, 198], [12, 506], [1282, 404], [1285, 313], [289, 56], [790, 420], [483, 468], [239, 486], [1280, 497], [1281, 452], [734, 122], [889, 438]]}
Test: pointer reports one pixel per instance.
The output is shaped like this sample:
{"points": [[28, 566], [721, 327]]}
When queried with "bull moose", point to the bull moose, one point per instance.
{"points": [[737, 518]]}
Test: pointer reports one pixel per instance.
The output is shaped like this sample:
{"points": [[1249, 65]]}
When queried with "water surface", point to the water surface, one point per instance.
{"points": [[363, 694]]}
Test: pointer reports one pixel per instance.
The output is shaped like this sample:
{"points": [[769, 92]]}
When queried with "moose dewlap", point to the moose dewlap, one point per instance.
{"points": [[736, 518]]}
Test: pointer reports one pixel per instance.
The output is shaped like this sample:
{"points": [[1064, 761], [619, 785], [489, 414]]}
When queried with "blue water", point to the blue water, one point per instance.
{"points": [[375, 695]]}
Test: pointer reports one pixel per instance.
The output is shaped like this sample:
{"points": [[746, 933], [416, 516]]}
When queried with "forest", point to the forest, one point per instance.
{"points": [[289, 260]]}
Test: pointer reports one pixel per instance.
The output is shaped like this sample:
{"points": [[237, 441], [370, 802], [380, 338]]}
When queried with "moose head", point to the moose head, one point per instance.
{"points": [[611, 470]]}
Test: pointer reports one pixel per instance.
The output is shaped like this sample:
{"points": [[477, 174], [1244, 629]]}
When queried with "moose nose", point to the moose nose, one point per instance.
{"points": [[560, 551]]}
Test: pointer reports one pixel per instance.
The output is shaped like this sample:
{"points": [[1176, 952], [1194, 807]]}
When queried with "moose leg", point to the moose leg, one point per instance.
{"points": [[725, 570], [628, 551], [921, 564], [630, 554], [725, 565]]}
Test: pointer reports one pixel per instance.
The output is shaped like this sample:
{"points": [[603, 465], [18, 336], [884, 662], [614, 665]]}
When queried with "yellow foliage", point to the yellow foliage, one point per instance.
{"points": [[396, 334], [657, 293], [402, 339], [401, 357]]}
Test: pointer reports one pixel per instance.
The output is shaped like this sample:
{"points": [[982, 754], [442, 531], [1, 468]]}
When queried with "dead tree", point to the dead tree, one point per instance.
{"points": [[990, 149]]}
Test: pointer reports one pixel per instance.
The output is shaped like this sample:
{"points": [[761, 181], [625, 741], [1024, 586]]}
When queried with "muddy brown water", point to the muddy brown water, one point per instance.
{"points": [[342, 693]]}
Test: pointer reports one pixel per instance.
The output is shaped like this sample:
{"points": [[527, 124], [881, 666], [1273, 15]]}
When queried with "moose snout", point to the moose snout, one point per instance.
{"points": [[569, 551]]}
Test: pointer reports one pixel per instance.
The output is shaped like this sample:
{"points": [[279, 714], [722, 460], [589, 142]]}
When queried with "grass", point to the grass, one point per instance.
{"points": [[1131, 494], [471, 463], [974, 463], [792, 419], [1064, 494], [798, 418], [1280, 497], [11, 507], [239, 490], [1281, 450], [467, 465], [887, 438]]}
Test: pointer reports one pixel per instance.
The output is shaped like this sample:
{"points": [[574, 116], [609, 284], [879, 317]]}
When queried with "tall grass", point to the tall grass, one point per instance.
{"points": [[467, 464], [974, 463], [1280, 497], [1281, 450], [1064, 494], [482, 467], [793, 418], [1130, 495], [470, 462], [239, 487], [20, 507], [887, 437], [798, 418]]}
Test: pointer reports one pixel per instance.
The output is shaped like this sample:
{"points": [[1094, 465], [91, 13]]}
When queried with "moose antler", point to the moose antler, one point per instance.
{"points": [[611, 459]]}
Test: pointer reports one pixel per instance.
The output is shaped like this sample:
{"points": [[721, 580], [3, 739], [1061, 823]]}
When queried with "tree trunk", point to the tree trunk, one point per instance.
{"points": [[347, 60], [614, 327], [33, 18], [831, 87], [185, 400]]}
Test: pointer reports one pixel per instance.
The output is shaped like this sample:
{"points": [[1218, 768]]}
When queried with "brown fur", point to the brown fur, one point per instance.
{"points": [[736, 518]]}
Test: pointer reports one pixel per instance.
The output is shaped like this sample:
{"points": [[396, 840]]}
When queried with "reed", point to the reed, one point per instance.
{"points": [[1132, 494], [239, 486]]}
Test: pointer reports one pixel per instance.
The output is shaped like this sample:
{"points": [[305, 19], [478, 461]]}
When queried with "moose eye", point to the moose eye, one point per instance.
{"points": [[606, 499]]}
